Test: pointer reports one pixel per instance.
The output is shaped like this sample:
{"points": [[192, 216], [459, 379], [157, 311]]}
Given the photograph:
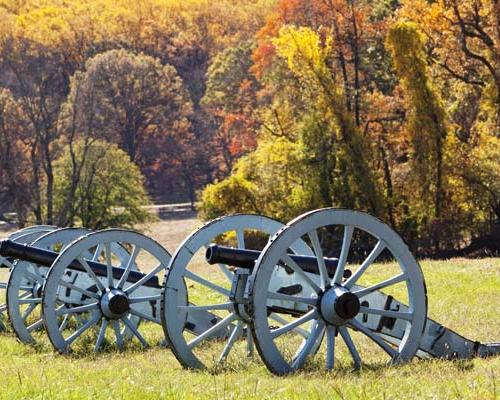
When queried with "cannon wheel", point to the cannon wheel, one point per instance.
{"points": [[99, 327], [25, 283], [208, 288], [31, 229], [337, 309], [23, 236]]}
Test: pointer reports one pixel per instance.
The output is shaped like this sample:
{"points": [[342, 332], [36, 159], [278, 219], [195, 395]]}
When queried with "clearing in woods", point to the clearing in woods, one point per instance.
{"points": [[463, 295]]}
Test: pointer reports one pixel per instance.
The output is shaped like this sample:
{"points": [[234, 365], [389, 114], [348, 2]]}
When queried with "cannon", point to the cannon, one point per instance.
{"points": [[89, 290], [24, 287], [296, 310], [216, 288], [244, 258], [25, 235], [331, 285]]}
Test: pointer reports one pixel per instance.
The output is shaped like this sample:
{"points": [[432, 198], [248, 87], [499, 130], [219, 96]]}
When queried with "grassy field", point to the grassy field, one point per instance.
{"points": [[463, 295]]}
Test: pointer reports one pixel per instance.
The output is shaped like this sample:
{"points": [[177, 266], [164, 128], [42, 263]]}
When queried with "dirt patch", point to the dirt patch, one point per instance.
{"points": [[170, 233]]}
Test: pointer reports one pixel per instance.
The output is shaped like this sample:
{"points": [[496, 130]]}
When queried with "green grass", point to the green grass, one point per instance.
{"points": [[463, 295]]}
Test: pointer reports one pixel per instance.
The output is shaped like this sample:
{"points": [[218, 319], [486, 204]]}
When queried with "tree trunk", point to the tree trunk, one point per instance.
{"points": [[50, 185], [439, 189], [356, 62], [388, 184], [37, 210]]}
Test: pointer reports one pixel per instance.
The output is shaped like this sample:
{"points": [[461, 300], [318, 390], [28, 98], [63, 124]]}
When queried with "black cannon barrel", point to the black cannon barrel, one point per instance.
{"points": [[46, 258], [244, 258]]}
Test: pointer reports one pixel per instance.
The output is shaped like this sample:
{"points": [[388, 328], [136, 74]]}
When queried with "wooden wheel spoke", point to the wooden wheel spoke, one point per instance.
{"points": [[128, 267], [97, 253], [313, 301], [28, 311], [102, 335], [35, 326], [250, 344], [221, 306], [32, 300], [294, 324], [330, 346], [302, 332], [211, 331], [388, 282], [144, 279], [64, 323], [310, 343], [240, 238], [78, 310], [91, 273], [118, 334], [386, 347], [379, 248], [318, 252], [350, 345], [299, 271], [344, 252], [142, 299], [202, 281], [109, 265], [225, 270], [232, 339], [145, 316], [407, 316], [92, 321], [130, 325], [85, 292]]}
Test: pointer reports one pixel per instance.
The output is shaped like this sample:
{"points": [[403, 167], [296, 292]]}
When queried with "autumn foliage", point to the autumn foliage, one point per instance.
{"points": [[268, 106]]}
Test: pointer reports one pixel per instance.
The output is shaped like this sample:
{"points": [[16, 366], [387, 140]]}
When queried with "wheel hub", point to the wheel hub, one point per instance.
{"points": [[37, 290], [338, 305], [114, 304]]}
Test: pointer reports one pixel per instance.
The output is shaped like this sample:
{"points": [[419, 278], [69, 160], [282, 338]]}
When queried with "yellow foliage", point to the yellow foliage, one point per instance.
{"points": [[44, 25], [302, 49], [269, 181], [7, 24], [56, 22]]}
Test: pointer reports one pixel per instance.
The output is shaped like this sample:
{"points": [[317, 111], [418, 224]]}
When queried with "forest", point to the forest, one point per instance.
{"points": [[274, 107]]}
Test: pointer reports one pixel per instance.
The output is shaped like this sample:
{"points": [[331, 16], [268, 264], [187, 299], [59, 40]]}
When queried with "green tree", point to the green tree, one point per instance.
{"points": [[308, 59], [110, 189], [270, 181], [225, 74]]}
